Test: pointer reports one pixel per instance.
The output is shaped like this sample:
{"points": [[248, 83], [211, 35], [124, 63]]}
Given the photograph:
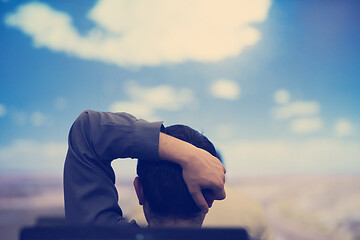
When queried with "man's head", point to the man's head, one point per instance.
{"points": [[161, 188]]}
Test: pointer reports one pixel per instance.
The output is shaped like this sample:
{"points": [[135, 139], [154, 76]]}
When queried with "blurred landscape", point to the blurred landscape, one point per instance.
{"points": [[297, 207]]}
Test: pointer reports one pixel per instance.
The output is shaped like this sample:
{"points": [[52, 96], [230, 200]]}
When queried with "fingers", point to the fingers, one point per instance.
{"points": [[220, 195], [209, 196], [219, 190], [199, 200]]}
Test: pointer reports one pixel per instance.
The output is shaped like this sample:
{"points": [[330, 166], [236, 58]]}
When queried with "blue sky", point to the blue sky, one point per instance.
{"points": [[275, 85]]}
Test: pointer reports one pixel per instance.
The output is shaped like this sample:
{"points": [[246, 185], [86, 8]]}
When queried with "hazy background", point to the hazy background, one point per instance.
{"points": [[274, 84]]}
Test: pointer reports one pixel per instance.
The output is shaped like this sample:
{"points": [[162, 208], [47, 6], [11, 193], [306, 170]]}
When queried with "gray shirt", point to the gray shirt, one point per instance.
{"points": [[95, 139]]}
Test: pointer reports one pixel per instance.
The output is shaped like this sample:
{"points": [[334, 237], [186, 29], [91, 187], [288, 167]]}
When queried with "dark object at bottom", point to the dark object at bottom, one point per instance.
{"points": [[131, 233]]}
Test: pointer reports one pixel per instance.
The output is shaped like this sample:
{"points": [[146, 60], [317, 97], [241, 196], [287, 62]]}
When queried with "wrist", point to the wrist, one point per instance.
{"points": [[175, 150]]}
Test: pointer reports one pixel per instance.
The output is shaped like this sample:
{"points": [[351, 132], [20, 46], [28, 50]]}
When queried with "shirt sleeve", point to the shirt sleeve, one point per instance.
{"points": [[95, 139]]}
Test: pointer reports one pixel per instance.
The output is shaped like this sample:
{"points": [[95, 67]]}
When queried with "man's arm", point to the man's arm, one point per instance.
{"points": [[97, 138]]}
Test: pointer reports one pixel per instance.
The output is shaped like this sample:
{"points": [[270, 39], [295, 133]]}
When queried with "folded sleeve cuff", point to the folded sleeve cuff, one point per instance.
{"points": [[146, 140]]}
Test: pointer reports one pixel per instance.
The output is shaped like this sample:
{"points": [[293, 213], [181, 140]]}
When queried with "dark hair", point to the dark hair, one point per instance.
{"points": [[163, 185]]}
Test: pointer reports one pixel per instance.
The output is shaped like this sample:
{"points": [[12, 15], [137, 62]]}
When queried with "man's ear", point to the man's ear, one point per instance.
{"points": [[139, 190]]}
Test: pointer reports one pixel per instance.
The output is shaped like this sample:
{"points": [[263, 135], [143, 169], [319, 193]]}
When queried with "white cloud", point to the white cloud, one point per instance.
{"points": [[144, 102], [296, 109], [38, 119], [282, 96], [138, 109], [306, 125], [2, 110], [343, 128], [136, 33], [162, 96], [286, 157], [60, 103], [33, 155], [226, 89]]}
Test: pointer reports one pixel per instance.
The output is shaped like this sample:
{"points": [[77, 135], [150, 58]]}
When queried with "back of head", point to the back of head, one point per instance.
{"points": [[163, 185]]}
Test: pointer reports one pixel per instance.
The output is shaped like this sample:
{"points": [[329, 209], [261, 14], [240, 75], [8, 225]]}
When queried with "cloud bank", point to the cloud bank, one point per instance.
{"points": [[26, 154], [38, 119], [306, 125], [343, 128], [295, 109], [225, 89], [138, 33], [287, 157], [302, 116], [145, 102], [282, 96]]}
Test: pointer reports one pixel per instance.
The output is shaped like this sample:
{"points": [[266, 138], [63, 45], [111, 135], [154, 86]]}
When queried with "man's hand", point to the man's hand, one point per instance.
{"points": [[202, 172]]}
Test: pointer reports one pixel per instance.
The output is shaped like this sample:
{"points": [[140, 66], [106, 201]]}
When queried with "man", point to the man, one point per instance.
{"points": [[161, 189], [97, 138]]}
